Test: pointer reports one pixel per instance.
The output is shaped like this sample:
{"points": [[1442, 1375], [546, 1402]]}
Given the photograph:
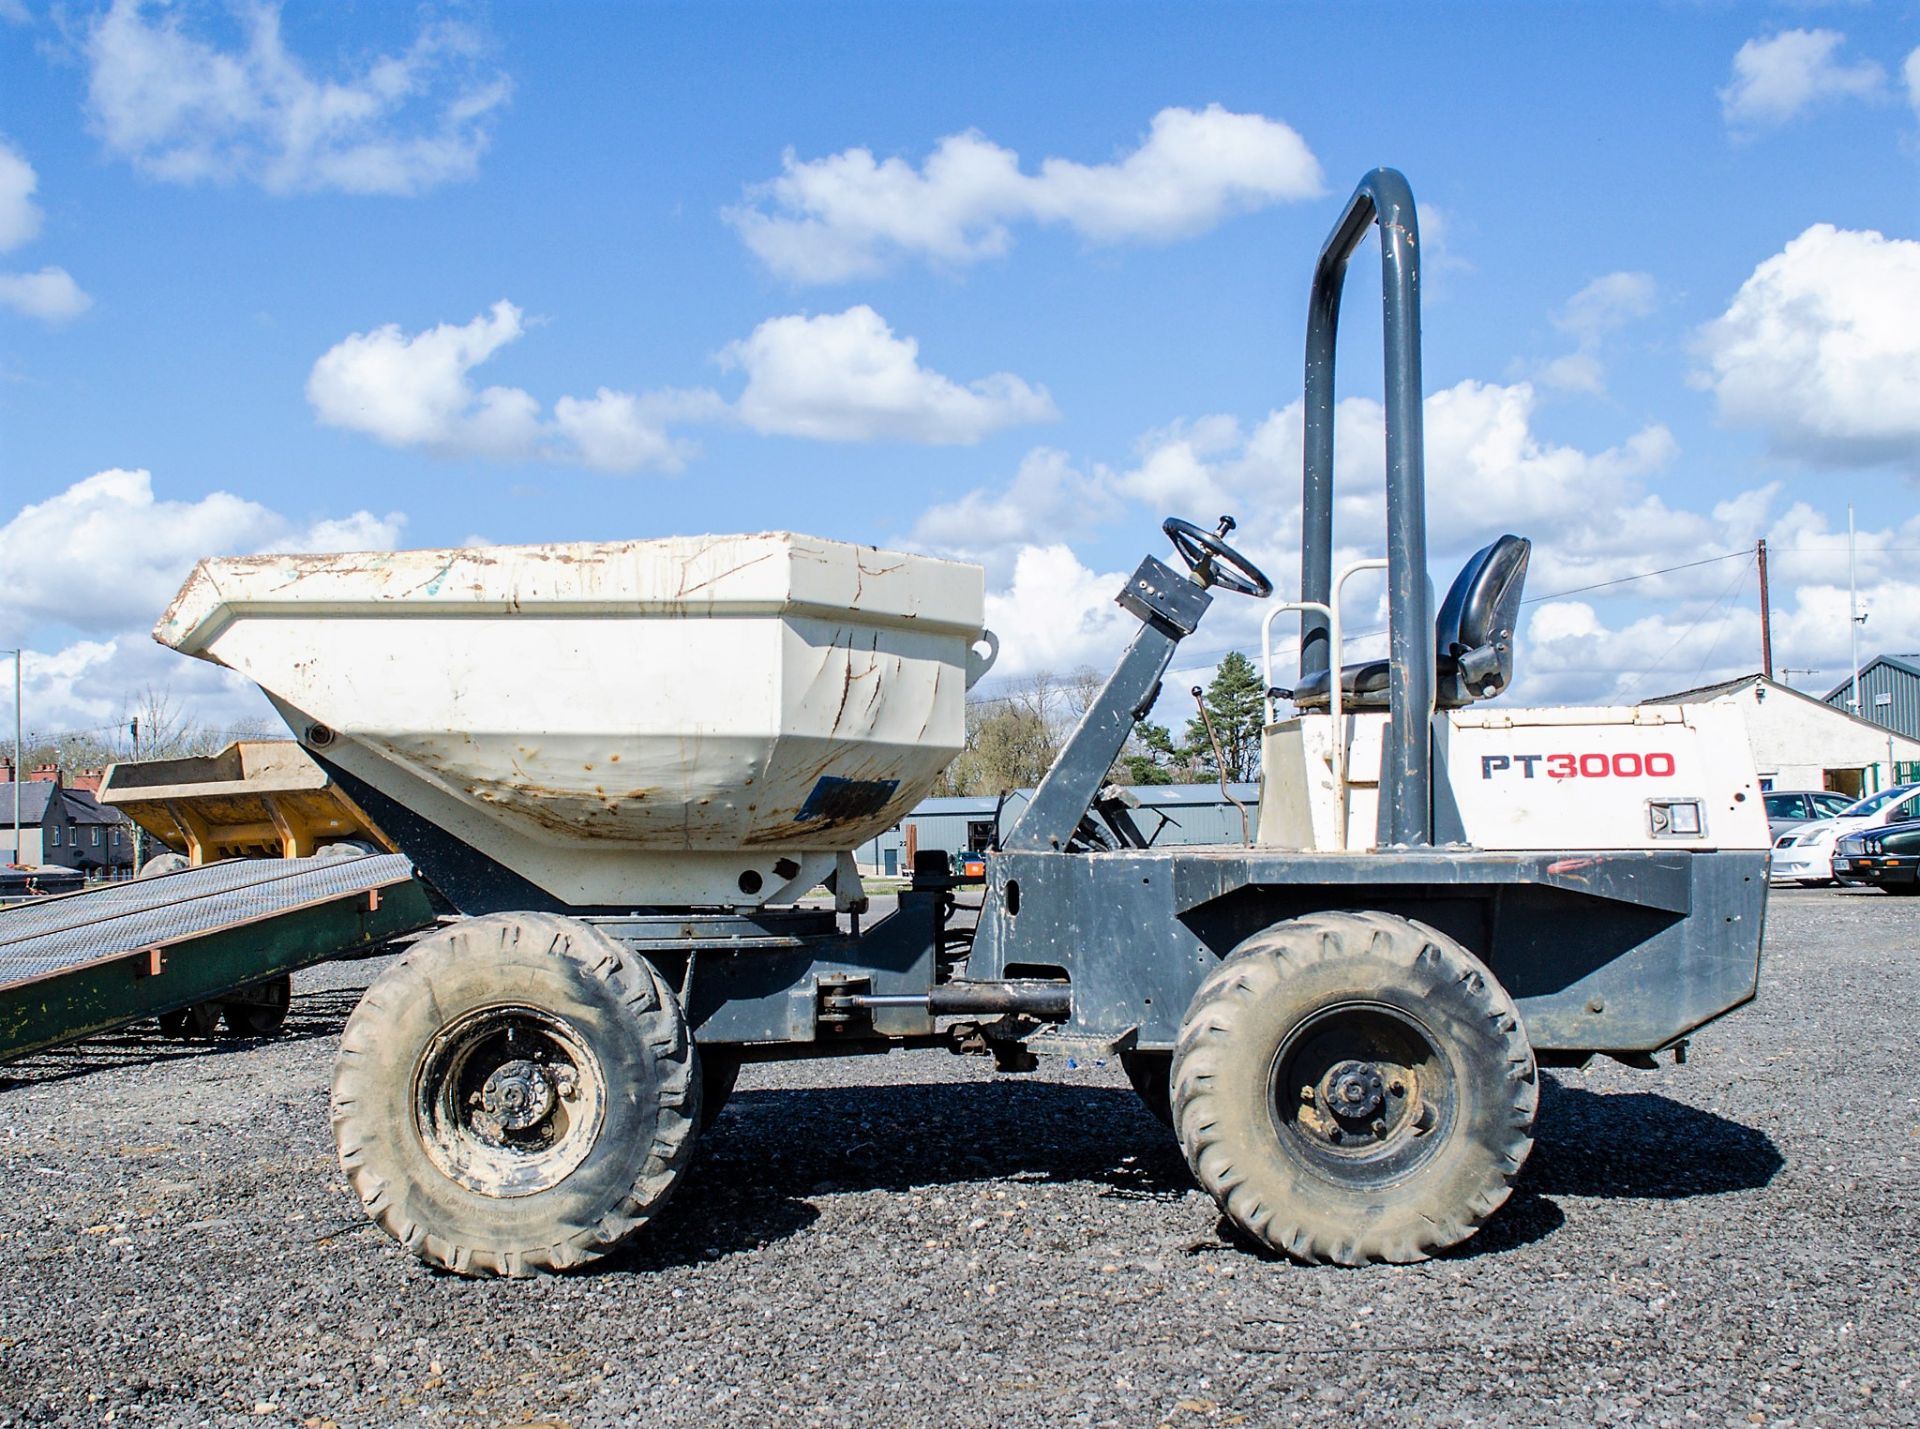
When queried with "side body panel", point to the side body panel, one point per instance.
{"points": [[1527, 779], [1602, 952]]}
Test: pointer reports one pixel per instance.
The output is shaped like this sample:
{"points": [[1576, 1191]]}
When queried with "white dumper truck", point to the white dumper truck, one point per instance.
{"points": [[625, 764]]}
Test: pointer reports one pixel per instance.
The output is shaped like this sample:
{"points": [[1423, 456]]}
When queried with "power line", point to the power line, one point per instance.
{"points": [[1821, 550], [1739, 577], [263, 730], [1720, 633], [1643, 575], [1195, 659]]}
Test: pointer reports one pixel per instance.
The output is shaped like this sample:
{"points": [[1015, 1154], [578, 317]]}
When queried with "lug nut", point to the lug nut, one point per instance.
{"points": [[1399, 1089], [1379, 1126]]}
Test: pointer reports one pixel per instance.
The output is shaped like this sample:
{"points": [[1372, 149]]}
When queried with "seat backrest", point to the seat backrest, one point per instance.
{"points": [[1476, 621]]}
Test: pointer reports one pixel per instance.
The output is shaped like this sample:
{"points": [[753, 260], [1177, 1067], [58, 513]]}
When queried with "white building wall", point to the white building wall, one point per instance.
{"points": [[31, 851], [1797, 741]]}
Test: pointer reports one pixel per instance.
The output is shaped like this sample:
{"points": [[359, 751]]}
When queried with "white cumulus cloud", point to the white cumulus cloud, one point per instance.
{"points": [[19, 214], [1781, 77], [50, 295], [1635, 587], [183, 109], [1048, 500], [1606, 304], [1820, 351], [97, 685], [1055, 614], [1591, 317], [112, 523], [416, 391], [850, 215], [91, 568], [846, 377], [1595, 515]]}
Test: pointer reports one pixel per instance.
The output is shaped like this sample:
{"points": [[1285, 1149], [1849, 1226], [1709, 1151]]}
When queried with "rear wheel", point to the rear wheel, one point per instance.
{"points": [[198, 1022], [517, 1094], [1354, 1087], [260, 1010]]}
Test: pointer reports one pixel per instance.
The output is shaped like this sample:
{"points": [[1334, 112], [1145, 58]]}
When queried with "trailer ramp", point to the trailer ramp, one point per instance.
{"points": [[86, 962]]}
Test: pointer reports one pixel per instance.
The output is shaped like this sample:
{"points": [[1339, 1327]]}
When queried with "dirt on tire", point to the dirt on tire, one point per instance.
{"points": [[624, 1017], [1353, 1195]]}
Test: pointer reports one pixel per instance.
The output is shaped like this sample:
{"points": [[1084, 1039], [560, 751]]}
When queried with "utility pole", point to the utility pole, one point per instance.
{"points": [[19, 755], [1766, 613], [139, 844], [1853, 613]]}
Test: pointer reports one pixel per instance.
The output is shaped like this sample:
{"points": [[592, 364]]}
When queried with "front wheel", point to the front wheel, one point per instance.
{"points": [[1354, 1087], [517, 1094]]}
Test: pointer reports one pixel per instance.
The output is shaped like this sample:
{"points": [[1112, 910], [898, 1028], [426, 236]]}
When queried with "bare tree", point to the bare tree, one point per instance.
{"points": [[1013, 736]]}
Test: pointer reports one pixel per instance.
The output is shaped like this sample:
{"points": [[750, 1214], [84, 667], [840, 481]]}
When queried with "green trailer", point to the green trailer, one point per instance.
{"points": [[224, 936]]}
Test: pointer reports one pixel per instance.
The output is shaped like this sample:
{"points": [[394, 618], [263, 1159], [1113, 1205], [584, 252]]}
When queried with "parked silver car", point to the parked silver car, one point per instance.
{"points": [[1787, 807]]}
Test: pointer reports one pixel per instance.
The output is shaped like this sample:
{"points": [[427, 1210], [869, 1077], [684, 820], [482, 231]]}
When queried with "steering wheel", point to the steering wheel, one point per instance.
{"points": [[1206, 555]]}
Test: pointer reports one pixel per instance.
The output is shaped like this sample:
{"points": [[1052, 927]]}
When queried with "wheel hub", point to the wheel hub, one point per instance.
{"points": [[508, 1100], [1353, 1090], [518, 1096], [1358, 1089]]}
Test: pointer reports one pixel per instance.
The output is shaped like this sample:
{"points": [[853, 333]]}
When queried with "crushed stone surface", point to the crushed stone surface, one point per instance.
{"points": [[915, 1239]]}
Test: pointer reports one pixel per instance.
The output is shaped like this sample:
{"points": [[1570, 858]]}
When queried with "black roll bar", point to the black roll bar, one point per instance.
{"points": [[1406, 773]]}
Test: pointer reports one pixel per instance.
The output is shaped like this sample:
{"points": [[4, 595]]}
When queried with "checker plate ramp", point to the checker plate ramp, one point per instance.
{"points": [[82, 962]]}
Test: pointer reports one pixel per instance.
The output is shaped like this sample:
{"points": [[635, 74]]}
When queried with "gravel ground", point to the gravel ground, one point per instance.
{"points": [[913, 1239]]}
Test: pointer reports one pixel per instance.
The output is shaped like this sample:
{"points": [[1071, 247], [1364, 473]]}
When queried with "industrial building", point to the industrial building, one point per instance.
{"points": [[1168, 814], [1889, 693], [1802, 742]]}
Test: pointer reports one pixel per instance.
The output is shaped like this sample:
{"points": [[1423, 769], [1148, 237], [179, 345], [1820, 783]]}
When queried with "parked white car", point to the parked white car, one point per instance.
{"points": [[1804, 855]]}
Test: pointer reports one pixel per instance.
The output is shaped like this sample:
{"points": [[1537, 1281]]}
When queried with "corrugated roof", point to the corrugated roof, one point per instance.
{"points": [[1899, 662], [1152, 795], [1191, 793]]}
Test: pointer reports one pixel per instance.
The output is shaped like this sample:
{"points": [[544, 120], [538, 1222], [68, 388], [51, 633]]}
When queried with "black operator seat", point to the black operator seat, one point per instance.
{"points": [[1473, 638]]}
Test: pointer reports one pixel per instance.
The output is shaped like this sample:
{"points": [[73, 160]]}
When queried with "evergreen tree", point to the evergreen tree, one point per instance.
{"points": [[1149, 757], [1237, 701]]}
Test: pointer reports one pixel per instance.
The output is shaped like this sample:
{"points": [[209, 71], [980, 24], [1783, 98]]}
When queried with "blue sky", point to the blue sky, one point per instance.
{"points": [[1006, 282]]}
